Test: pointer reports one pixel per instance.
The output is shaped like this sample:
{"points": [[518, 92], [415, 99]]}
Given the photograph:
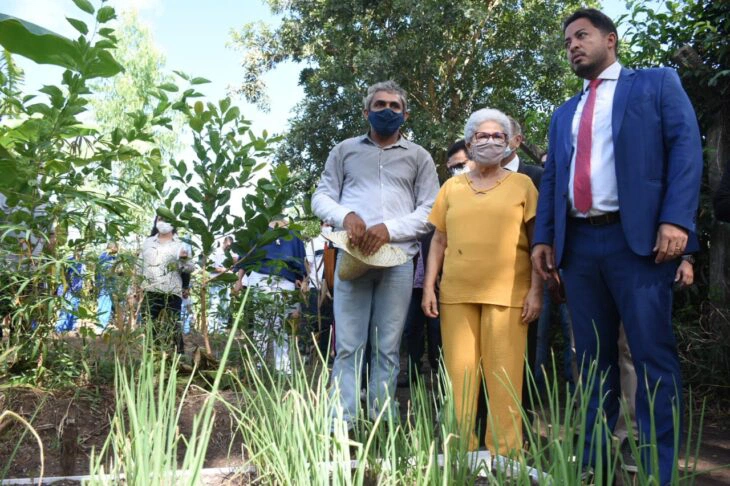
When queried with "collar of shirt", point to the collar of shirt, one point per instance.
{"points": [[612, 72], [513, 165], [402, 142], [157, 238]]}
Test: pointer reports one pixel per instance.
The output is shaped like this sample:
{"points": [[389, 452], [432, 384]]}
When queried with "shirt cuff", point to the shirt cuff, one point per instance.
{"points": [[338, 217], [392, 226]]}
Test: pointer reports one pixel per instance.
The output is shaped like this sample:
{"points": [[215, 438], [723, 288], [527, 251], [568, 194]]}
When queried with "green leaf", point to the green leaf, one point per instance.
{"points": [[106, 32], [199, 81], [36, 43], [105, 14], [105, 44], [182, 75], [85, 5], [78, 25], [224, 104], [196, 124], [194, 194], [171, 87], [104, 66], [231, 114]]}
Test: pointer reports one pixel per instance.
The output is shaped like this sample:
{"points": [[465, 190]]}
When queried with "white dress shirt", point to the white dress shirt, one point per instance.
{"points": [[513, 164], [604, 188], [394, 185]]}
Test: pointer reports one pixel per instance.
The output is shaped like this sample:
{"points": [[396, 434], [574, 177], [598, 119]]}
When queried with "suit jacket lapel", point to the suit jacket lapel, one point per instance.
{"points": [[620, 100], [566, 142]]}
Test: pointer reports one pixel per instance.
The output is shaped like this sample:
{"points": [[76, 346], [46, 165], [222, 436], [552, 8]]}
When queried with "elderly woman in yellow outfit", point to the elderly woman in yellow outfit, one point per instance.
{"points": [[488, 291]]}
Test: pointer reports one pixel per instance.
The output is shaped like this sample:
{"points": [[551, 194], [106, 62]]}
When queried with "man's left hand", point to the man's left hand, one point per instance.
{"points": [[375, 237], [671, 241]]}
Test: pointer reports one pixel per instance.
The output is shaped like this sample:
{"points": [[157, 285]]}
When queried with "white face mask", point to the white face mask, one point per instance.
{"points": [[326, 230], [489, 153], [164, 227], [457, 172]]}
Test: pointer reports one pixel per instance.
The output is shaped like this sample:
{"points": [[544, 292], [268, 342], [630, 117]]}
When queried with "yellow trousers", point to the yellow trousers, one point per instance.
{"points": [[483, 340]]}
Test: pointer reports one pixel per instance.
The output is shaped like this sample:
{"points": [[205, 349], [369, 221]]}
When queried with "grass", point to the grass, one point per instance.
{"points": [[293, 431]]}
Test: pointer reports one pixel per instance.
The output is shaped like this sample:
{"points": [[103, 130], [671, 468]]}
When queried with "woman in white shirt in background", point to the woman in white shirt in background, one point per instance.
{"points": [[165, 268]]}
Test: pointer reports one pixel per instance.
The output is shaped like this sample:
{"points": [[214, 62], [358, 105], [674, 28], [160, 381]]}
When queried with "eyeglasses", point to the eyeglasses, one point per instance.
{"points": [[482, 137]]}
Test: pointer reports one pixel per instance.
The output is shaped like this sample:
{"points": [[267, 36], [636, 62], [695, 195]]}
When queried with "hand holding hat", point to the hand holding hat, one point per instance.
{"points": [[354, 262]]}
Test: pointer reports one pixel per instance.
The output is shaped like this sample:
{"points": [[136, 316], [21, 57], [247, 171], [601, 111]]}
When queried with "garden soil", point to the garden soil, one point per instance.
{"points": [[72, 424]]}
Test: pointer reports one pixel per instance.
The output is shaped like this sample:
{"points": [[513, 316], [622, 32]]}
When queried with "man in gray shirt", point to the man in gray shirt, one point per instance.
{"points": [[379, 188]]}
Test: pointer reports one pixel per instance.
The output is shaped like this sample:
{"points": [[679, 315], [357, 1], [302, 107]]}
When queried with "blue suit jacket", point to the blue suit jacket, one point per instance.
{"points": [[658, 154]]}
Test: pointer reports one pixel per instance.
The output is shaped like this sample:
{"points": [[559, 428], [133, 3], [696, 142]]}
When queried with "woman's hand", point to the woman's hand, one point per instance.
{"points": [[532, 306], [429, 303]]}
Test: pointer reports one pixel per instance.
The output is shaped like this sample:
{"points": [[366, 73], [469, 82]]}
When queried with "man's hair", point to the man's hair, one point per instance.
{"points": [[598, 19], [515, 126], [390, 87], [455, 148]]}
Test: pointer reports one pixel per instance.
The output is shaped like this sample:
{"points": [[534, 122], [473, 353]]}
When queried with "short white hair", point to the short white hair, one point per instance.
{"points": [[485, 115], [389, 87]]}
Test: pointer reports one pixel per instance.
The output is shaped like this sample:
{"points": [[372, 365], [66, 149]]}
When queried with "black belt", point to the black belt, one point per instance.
{"points": [[600, 220]]}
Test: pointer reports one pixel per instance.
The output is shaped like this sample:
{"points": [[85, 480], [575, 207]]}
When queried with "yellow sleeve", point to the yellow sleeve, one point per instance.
{"points": [[438, 210], [530, 201]]}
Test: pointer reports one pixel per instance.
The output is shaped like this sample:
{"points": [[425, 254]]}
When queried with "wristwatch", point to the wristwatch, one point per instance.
{"points": [[689, 259]]}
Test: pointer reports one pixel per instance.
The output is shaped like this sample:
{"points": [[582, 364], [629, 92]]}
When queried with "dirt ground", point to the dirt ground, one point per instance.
{"points": [[73, 423]]}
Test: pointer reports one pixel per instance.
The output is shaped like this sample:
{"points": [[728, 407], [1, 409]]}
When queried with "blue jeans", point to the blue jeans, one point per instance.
{"points": [[378, 301], [104, 308]]}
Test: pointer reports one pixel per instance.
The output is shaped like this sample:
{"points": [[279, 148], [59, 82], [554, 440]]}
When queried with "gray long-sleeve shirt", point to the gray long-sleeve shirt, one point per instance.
{"points": [[395, 185]]}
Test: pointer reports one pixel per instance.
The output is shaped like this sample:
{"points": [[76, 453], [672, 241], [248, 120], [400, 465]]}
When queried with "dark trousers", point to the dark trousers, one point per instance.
{"points": [[418, 332], [163, 313], [607, 283]]}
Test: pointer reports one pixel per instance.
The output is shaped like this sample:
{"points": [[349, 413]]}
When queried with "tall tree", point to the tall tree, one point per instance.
{"points": [[131, 92], [452, 58]]}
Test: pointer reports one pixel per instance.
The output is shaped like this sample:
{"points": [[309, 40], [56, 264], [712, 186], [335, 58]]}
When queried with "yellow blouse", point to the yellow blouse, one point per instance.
{"points": [[487, 259]]}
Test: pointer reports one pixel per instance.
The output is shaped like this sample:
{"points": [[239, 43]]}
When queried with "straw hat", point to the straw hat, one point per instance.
{"points": [[354, 263]]}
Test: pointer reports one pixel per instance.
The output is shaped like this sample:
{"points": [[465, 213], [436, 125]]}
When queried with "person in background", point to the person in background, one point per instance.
{"points": [[164, 266], [319, 295], [106, 285], [416, 340], [70, 289], [457, 159], [219, 300], [187, 313], [488, 292], [280, 274], [617, 210]]}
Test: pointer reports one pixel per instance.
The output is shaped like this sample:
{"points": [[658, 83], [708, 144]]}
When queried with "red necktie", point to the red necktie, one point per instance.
{"points": [[582, 178]]}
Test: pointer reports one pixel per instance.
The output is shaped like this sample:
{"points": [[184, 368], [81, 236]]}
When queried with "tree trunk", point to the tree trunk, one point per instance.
{"points": [[718, 148], [203, 307]]}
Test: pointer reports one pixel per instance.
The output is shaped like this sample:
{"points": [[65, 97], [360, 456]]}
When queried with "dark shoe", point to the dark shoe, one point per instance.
{"points": [[628, 461]]}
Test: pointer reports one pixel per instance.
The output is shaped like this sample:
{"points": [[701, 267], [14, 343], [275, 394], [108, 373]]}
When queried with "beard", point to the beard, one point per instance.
{"points": [[590, 70]]}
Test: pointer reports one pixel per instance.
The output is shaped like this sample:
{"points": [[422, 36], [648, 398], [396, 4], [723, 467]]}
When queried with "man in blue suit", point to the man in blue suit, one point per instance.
{"points": [[616, 211]]}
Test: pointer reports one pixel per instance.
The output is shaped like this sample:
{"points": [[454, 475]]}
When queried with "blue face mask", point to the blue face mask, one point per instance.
{"points": [[385, 122]]}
